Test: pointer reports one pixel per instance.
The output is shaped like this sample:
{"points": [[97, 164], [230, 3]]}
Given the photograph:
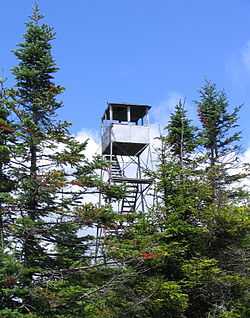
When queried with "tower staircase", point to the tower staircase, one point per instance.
{"points": [[117, 176], [115, 169], [129, 201]]}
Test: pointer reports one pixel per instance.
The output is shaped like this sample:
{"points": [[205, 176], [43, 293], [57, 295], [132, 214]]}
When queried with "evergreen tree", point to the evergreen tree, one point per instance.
{"points": [[187, 257], [177, 160], [10, 268], [48, 238], [6, 139], [35, 106], [181, 134], [220, 140], [193, 254]]}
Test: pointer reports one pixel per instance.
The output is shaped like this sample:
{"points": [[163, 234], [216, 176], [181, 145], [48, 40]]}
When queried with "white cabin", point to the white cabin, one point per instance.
{"points": [[125, 129]]}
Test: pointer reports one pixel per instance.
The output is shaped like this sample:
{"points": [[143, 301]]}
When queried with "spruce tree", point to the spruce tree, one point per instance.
{"points": [[177, 160], [181, 134], [193, 254], [35, 106], [6, 140], [10, 268], [48, 232], [219, 137]]}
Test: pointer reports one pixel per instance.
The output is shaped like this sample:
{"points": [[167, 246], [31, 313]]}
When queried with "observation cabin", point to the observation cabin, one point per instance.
{"points": [[125, 129]]}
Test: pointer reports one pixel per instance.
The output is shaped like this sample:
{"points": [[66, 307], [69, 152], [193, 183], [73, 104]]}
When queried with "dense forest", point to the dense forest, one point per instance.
{"points": [[186, 257]]}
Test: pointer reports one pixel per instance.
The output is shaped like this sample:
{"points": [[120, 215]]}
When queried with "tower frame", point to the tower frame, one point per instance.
{"points": [[125, 139]]}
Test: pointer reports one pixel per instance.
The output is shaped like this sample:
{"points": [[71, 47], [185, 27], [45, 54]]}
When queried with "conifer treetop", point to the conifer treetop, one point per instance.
{"points": [[36, 13]]}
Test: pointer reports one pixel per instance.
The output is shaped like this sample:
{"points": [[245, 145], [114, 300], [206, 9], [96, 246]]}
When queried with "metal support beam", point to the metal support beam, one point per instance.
{"points": [[110, 112], [129, 113]]}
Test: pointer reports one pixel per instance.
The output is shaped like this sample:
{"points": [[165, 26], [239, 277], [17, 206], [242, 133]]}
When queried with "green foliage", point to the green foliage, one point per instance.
{"points": [[193, 254], [47, 237], [181, 137], [188, 257], [7, 184], [219, 137]]}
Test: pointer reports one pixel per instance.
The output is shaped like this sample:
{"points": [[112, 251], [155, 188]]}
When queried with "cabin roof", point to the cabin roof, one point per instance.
{"points": [[137, 111]]}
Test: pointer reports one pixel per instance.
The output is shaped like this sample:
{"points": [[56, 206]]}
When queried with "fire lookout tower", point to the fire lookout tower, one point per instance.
{"points": [[125, 145]]}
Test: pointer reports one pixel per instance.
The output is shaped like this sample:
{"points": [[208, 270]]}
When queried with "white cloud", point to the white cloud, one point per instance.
{"points": [[93, 148], [246, 156], [245, 56], [237, 68], [160, 113], [93, 145]]}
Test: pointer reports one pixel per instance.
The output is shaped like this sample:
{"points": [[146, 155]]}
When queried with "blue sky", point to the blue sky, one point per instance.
{"points": [[140, 51]]}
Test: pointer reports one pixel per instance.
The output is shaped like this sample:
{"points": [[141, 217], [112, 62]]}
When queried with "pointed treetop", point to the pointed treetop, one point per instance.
{"points": [[2, 81], [2, 77], [36, 13]]}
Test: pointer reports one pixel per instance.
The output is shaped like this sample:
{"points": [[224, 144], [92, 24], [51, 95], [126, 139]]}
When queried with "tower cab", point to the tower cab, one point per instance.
{"points": [[125, 129]]}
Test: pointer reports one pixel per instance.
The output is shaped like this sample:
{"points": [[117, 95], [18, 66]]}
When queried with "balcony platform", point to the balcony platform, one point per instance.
{"points": [[132, 180], [127, 140]]}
